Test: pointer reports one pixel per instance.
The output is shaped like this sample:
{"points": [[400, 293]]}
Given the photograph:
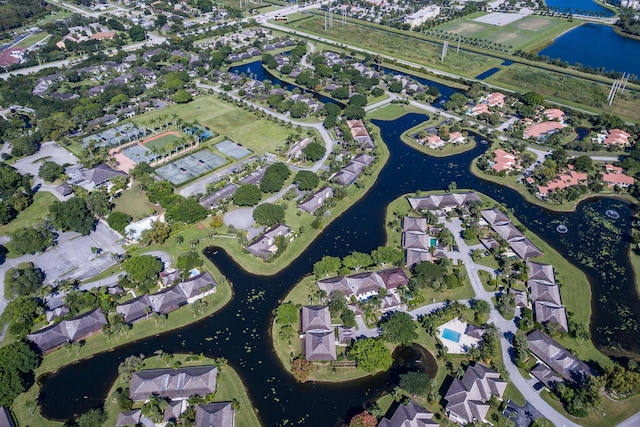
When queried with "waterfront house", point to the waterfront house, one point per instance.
{"points": [[496, 99], [173, 384], [318, 336], [265, 245], [312, 203], [501, 224], [70, 330], [616, 137], [505, 161], [129, 418], [547, 312], [219, 414], [443, 201], [365, 285], [558, 358]]}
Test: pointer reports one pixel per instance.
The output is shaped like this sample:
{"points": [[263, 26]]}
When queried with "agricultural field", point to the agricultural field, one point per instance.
{"points": [[391, 43], [529, 33], [237, 124]]}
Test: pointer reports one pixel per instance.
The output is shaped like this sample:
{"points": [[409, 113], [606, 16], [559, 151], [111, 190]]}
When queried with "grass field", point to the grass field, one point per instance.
{"points": [[241, 126], [135, 202], [30, 40], [568, 89], [528, 33], [387, 42], [163, 141], [31, 215]]}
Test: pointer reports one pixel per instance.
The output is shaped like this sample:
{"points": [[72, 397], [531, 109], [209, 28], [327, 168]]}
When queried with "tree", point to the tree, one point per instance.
{"points": [[72, 215], [301, 369], [17, 362], [387, 255], [287, 314], [268, 214], [247, 195], [128, 366], [306, 180], [456, 101], [328, 264], [532, 99], [29, 240], [357, 260], [427, 274], [481, 308], [119, 220], [416, 383], [274, 177], [370, 354], [185, 210], [142, 268], [354, 112], [340, 92], [98, 202], [398, 327], [20, 314], [92, 418], [50, 171], [182, 97], [314, 151], [23, 280], [584, 163], [157, 234], [137, 33], [358, 100], [363, 419]]}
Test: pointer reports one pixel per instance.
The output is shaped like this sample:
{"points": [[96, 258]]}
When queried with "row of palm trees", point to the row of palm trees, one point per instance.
{"points": [[192, 135]]}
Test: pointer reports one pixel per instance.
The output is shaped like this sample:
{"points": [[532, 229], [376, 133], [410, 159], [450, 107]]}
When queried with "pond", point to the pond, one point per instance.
{"points": [[240, 331], [596, 46], [580, 7]]}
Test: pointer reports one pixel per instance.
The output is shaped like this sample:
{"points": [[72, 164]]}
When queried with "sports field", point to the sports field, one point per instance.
{"points": [[528, 33], [31, 40], [241, 126], [161, 141]]}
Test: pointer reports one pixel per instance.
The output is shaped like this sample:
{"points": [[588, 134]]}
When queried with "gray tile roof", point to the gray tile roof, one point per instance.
{"points": [[219, 414], [320, 346], [548, 312], [362, 283], [441, 201], [68, 330], [173, 384], [467, 398], [5, 418], [264, 245], [315, 318], [556, 356], [409, 415], [129, 418], [312, 203]]}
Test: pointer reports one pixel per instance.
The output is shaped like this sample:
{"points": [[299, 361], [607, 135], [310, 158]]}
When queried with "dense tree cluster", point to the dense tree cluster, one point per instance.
{"points": [[17, 362], [370, 354], [268, 214], [247, 195], [274, 178], [398, 327], [72, 215], [30, 240], [23, 280]]}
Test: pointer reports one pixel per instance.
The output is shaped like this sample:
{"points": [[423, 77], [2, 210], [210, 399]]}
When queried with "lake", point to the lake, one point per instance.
{"points": [[580, 7], [597, 46], [240, 331]]}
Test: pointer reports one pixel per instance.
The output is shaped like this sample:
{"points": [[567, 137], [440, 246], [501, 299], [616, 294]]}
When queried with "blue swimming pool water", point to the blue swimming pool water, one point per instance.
{"points": [[451, 335]]}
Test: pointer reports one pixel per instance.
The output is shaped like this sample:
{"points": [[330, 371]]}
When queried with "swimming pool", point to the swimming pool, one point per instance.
{"points": [[450, 335]]}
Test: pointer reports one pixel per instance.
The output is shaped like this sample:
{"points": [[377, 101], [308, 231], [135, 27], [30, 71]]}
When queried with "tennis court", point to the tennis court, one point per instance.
{"points": [[233, 150], [139, 153], [190, 166]]}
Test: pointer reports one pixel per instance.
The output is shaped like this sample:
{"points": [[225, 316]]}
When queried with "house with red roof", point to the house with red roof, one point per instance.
{"points": [[496, 99], [479, 109], [432, 141], [457, 138], [617, 137], [505, 161], [615, 176], [612, 169], [563, 180], [553, 114], [537, 130]]}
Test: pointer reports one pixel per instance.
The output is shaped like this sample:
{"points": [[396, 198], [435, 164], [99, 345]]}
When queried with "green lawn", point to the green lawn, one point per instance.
{"points": [[388, 41], [562, 87], [163, 142], [392, 112], [524, 34], [448, 149], [237, 124], [30, 40], [135, 202], [31, 215]]}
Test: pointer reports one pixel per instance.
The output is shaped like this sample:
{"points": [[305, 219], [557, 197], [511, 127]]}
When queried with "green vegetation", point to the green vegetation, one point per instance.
{"points": [[32, 215], [30, 40], [135, 202], [527, 33], [394, 42], [448, 149], [244, 127]]}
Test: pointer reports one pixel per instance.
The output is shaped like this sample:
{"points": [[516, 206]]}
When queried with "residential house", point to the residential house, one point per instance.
{"points": [[5, 418], [468, 398], [212, 200], [360, 134], [538, 130], [367, 284], [265, 245], [295, 152], [547, 312], [350, 173], [409, 415], [346, 335], [496, 99], [615, 176], [318, 335], [479, 109], [552, 114], [552, 354], [446, 201], [563, 180], [174, 384], [219, 414], [312, 203], [617, 137], [129, 418], [416, 241], [505, 161], [70, 330], [501, 224], [457, 138]]}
